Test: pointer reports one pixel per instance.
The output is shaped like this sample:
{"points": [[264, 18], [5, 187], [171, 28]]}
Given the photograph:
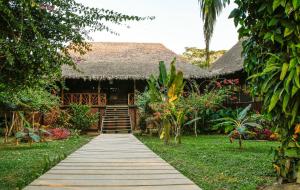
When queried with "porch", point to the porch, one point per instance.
{"points": [[108, 98]]}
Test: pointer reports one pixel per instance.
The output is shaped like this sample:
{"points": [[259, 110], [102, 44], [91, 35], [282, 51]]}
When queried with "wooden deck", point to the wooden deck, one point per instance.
{"points": [[113, 162]]}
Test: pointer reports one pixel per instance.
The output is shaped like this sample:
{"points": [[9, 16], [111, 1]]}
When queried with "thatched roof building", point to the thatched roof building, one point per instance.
{"points": [[124, 61], [231, 62]]}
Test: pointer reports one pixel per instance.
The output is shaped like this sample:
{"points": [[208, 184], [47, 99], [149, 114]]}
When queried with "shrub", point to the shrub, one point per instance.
{"points": [[63, 119], [59, 133], [81, 117]]}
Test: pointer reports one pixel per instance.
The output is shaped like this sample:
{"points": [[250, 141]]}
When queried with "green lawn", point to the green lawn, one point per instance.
{"points": [[213, 163], [19, 165]]}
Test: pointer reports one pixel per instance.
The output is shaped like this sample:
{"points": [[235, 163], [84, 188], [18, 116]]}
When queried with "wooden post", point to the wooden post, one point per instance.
{"points": [[98, 92], [62, 95], [134, 89], [134, 110], [99, 87]]}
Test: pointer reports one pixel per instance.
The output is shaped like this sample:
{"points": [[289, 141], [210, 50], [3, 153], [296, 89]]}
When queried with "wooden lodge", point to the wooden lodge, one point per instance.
{"points": [[109, 74]]}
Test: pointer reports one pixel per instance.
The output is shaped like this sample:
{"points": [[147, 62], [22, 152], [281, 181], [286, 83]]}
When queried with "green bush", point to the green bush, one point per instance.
{"points": [[81, 117], [63, 119]]}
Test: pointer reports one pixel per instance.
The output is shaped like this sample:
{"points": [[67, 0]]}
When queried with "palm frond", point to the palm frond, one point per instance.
{"points": [[210, 10]]}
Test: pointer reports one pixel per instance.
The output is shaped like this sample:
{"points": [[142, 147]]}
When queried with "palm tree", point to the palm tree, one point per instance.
{"points": [[209, 10]]}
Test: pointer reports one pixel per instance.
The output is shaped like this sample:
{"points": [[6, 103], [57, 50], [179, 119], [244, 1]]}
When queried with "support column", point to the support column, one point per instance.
{"points": [[62, 94], [99, 87]]}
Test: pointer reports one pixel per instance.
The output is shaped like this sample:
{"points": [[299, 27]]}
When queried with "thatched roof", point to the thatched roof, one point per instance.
{"points": [[108, 61], [229, 63]]}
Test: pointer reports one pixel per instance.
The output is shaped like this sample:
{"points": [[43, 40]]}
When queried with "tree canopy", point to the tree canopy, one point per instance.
{"points": [[198, 56], [36, 37]]}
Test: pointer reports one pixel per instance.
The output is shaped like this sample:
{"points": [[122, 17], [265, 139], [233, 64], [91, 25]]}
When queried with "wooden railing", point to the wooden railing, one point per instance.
{"points": [[91, 99]]}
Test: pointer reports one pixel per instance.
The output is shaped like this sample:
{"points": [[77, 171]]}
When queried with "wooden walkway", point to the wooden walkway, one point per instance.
{"points": [[113, 162]]}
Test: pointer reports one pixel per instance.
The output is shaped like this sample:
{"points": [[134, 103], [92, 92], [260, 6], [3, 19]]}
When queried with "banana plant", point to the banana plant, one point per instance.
{"points": [[240, 124], [165, 91]]}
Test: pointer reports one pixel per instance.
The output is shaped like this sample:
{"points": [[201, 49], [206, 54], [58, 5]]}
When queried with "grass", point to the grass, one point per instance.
{"points": [[215, 164], [20, 165]]}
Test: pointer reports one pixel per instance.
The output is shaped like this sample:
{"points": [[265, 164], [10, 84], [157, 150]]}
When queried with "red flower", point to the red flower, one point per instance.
{"points": [[225, 81], [218, 84], [59, 133], [230, 81], [236, 81]]}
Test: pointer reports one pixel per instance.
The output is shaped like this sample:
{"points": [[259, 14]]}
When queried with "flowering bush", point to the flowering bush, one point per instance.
{"points": [[263, 134], [59, 133]]}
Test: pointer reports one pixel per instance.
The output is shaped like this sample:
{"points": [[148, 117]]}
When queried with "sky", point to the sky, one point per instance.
{"points": [[177, 24]]}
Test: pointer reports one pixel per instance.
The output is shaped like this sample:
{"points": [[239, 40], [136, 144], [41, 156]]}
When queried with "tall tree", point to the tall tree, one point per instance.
{"points": [[209, 10], [198, 56], [37, 35]]}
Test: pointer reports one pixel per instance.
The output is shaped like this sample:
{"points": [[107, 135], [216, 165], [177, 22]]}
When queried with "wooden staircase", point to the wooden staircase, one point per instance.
{"points": [[116, 120]]}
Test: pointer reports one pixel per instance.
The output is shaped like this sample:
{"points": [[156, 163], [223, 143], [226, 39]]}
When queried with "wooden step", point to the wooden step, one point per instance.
{"points": [[116, 128], [117, 131], [116, 120]]}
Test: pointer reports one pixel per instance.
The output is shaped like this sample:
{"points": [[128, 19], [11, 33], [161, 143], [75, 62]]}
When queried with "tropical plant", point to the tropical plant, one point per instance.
{"points": [[239, 125], [210, 10], [270, 33], [200, 106], [164, 93], [272, 46], [28, 132], [63, 119], [81, 117]]}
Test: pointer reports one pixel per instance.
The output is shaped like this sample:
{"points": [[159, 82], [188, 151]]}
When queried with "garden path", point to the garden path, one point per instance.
{"points": [[113, 162]]}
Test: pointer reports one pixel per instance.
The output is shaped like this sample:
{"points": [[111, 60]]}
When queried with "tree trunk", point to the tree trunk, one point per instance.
{"points": [[178, 135], [6, 129]]}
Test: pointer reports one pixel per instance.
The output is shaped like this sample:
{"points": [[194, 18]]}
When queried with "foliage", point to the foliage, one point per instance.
{"points": [[240, 124], [164, 92], [59, 133], [200, 105], [213, 164], [272, 46], [270, 31], [20, 165], [37, 35], [63, 119], [29, 99], [28, 134], [209, 10], [81, 117], [198, 56]]}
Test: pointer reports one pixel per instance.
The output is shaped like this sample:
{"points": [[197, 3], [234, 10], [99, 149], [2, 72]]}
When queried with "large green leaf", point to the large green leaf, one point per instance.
{"points": [[276, 3], [274, 99], [294, 90], [284, 70], [172, 72], [35, 137], [292, 153], [296, 4], [285, 101], [20, 135], [294, 112], [288, 31], [288, 81], [244, 112], [163, 76], [297, 80]]}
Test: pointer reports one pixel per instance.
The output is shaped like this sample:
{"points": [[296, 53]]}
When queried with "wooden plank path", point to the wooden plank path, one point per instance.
{"points": [[113, 162]]}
